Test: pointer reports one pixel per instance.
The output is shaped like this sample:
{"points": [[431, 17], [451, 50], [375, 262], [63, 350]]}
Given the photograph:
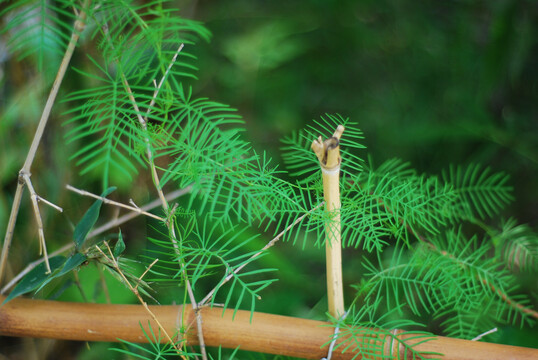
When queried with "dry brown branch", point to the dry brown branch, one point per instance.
{"points": [[78, 27], [97, 231], [165, 206], [265, 333], [115, 203]]}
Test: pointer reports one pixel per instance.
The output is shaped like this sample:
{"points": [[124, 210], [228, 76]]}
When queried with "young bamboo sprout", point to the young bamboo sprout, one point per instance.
{"points": [[328, 153]]}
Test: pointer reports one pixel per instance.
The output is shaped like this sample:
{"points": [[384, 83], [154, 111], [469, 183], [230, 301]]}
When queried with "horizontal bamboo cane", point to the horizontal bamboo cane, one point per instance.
{"points": [[266, 333]]}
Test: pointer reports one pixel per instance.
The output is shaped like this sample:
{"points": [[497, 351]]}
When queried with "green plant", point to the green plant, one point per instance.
{"points": [[427, 244]]}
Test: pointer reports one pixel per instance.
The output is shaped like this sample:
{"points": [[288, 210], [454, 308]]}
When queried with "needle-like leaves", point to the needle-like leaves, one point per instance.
{"points": [[38, 28]]}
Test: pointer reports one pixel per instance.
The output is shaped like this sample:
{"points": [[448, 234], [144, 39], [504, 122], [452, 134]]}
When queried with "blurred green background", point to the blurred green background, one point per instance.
{"points": [[431, 82]]}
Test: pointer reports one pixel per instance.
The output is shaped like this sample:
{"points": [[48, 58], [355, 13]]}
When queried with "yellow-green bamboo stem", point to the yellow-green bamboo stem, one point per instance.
{"points": [[328, 153]]}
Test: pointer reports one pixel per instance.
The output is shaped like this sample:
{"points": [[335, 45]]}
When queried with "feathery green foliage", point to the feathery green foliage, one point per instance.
{"points": [[39, 28], [372, 336]]}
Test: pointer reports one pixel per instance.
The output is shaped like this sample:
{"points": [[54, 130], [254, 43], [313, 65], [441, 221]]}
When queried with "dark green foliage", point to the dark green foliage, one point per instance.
{"points": [[88, 220], [41, 28], [517, 246], [35, 278]]}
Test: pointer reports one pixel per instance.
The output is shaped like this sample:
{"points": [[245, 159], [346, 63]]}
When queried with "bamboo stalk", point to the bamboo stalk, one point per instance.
{"points": [[328, 153], [266, 333]]}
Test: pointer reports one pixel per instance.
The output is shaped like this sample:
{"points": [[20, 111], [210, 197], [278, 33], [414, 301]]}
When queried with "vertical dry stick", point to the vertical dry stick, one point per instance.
{"points": [[165, 206], [328, 153], [40, 228], [78, 28]]}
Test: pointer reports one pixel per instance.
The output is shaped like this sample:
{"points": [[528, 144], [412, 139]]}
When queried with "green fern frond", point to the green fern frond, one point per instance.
{"points": [[448, 273], [410, 281], [487, 278], [158, 347], [106, 123], [138, 43], [229, 180], [468, 323], [378, 205], [483, 194], [41, 28], [213, 251], [517, 246], [297, 154], [368, 335], [143, 39]]}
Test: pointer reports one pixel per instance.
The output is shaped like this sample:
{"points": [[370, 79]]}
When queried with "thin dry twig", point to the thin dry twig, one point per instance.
{"points": [[145, 272], [39, 221], [156, 182], [135, 291], [45, 201], [209, 296], [105, 227], [78, 27], [158, 87], [115, 203], [484, 334]]}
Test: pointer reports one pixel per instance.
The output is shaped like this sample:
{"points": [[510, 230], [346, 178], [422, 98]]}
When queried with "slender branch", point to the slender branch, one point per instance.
{"points": [[105, 227], [45, 201], [145, 272], [158, 87], [135, 291], [484, 334], [39, 221], [165, 206], [77, 30], [115, 203], [335, 337], [209, 296]]}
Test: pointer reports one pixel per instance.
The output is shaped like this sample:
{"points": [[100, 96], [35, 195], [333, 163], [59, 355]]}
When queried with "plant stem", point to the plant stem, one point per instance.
{"points": [[115, 203], [135, 291], [109, 225], [39, 221], [283, 335], [77, 30], [209, 296], [165, 206], [328, 153]]}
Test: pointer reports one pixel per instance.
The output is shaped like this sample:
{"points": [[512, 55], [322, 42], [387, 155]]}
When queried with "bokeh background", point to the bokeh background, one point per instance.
{"points": [[431, 82]]}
